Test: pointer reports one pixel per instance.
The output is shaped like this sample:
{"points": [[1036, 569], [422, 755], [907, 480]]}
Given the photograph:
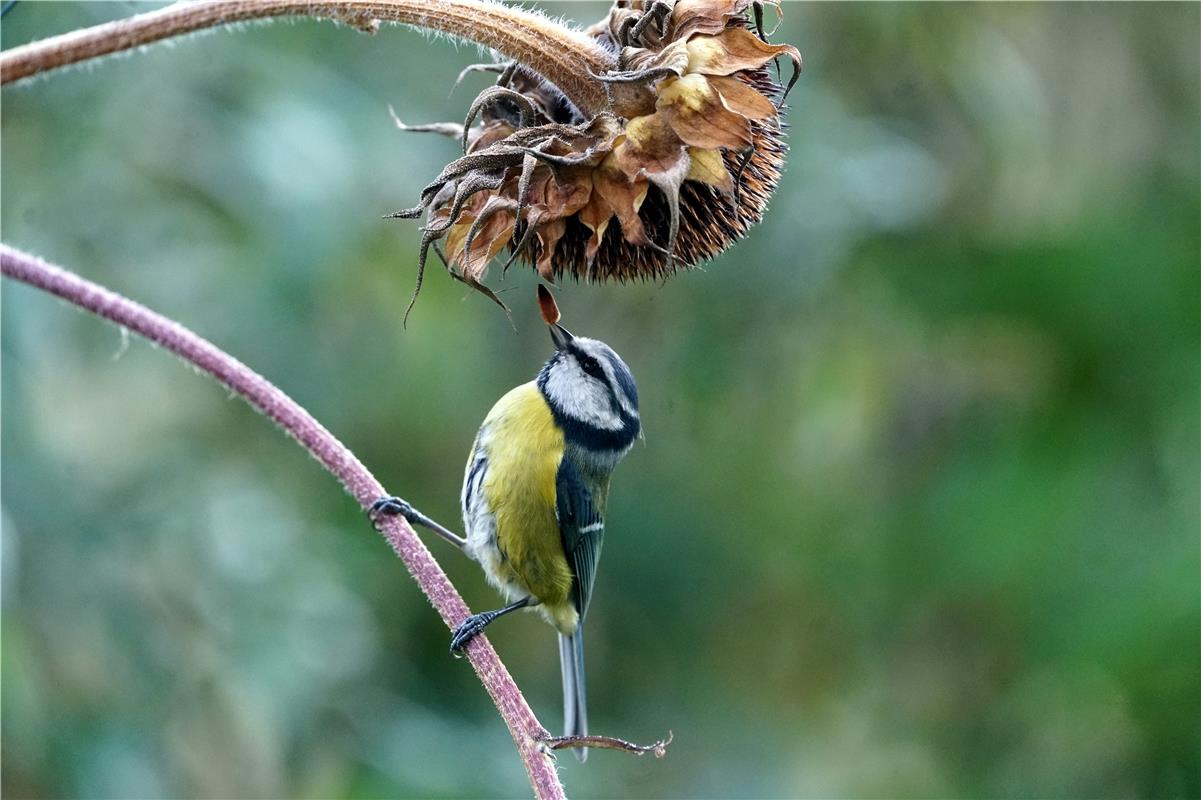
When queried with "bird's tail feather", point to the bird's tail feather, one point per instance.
{"points": [[575, 702]]}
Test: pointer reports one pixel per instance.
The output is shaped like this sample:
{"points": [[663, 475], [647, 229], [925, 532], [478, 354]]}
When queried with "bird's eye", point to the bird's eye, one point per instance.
{"points": [[591, 366]]}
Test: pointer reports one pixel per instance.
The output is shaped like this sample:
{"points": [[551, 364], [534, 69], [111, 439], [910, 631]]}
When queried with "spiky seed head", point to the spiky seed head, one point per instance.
{"points": [[678, 166]]}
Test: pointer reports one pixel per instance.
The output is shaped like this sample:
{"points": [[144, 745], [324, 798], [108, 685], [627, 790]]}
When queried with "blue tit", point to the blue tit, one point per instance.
{"points": [[534, 494]]}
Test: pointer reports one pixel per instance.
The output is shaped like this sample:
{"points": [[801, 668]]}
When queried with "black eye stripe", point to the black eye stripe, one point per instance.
{"points": [[624, 379], [620, 372], [592, 367], [584, 434], [587, 362]]}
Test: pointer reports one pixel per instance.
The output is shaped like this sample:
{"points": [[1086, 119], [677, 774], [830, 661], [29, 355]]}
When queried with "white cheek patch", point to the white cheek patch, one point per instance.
{"points": [[581, 397]]}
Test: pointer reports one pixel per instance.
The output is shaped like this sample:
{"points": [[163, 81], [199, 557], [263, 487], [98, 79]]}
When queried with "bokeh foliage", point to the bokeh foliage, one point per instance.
{"points": [[917, 513]]}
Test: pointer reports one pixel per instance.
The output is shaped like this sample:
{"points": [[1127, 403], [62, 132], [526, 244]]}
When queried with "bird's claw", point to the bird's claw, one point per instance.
{"points": [[389, 506], [472, 627]]}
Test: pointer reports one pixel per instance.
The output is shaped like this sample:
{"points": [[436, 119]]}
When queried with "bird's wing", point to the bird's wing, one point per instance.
{"points": [[582, 528], [473, 481]]}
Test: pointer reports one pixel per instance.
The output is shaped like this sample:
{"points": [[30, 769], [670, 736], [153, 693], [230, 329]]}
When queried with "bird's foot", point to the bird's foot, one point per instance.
{"points": [[395, 506], [472, 627], [392, 507]]}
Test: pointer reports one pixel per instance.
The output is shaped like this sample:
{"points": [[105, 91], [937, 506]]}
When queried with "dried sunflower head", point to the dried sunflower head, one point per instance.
{"points": [[676, 164]]}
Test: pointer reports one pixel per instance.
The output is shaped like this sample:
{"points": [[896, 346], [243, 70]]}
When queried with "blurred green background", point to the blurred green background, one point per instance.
{"points": [[917, 512]]}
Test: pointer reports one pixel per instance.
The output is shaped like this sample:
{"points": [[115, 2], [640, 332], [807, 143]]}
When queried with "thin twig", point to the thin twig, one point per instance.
{"points": [[528, 733], [566, 57], [659, 748]]}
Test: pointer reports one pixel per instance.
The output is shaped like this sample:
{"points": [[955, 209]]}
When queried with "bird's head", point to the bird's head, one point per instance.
{"points": [[589, 388]]}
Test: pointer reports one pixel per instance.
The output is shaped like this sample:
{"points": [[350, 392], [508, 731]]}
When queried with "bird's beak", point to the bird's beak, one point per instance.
{"points": [[560, 336]]}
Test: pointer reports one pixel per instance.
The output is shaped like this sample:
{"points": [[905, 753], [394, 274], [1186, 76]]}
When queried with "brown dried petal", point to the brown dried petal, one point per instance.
{"points": [[487, 237], [709, 167], [548, 306], [737, 96], [625, 195], [690, 17], [673, 57], [456, 238], [595, 217], [696, 112], [632, 99], [456, 233], [562, 199], [649, 145], [551, 201], [733, 50], [549, 234], [603, 127], [652, 150], [490, 133]]}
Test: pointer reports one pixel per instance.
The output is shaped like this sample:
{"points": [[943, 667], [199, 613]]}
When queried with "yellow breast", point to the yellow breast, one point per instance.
{"points": [[524, 447]]}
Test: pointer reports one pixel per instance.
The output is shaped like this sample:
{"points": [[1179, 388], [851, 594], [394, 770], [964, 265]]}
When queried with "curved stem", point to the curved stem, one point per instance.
{"points": [[566, 57], [527, 732]]}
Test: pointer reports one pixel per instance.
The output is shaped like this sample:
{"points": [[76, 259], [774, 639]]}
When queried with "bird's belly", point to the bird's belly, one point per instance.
{"points": [[519, 567], [512, 530]]}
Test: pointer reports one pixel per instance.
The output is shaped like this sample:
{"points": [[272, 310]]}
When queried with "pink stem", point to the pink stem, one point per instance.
{"points": [[527, 732], [568, 58]]}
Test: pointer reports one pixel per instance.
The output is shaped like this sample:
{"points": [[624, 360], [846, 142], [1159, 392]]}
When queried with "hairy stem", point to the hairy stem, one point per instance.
{"points": [[527, 732], [566, 57]]}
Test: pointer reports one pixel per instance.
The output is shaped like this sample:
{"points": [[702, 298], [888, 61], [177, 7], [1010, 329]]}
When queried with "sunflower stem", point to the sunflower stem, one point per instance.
{"points": [[566, 57], [528, 733]]}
